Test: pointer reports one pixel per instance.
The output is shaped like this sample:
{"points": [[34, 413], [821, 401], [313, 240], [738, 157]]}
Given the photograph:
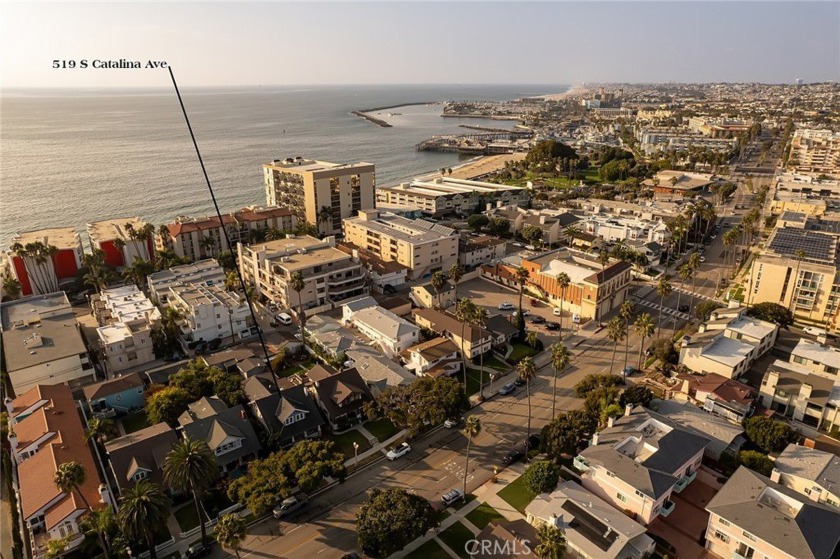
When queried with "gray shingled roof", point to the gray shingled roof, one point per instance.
{"points": [[820, 467], [651, 482]]}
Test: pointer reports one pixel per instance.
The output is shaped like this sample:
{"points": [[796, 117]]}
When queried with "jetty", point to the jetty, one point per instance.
{"points": [[373, 119]]}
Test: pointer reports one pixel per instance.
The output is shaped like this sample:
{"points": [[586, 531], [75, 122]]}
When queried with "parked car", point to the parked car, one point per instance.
{"points": [[451, 497], [525, 312], [552, 325], [514, 455], [814, 331], [506, 306], [519, 382], [288, 507], [536, 319], [197, 550], [452, 422], [576, 318], [530, 247], [519, 245], [556, 312], [398, 452], [283, 318], [533, 441], [214, 344], [507, 389], [683, 308], [534, 303], [630, 370]]}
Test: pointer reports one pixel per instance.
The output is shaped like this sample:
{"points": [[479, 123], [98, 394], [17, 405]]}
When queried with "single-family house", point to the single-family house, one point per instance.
{"points": [[140, 455], [226, 430], [122, 394]]}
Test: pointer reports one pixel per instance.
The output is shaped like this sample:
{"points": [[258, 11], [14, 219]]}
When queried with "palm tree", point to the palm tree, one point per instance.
{"points": [[465, 312], [230, 531], [531, 338], [560, 357], [99, 429], [297, 284], [616, 331], [191, 466], [552, 542], [208, 245], [101, 522], [694, 264], [603, 259], [456, 272], [686, 272], [644, 327], [471, 429], [143, 510], [324, 215], [527, 371], [97, 277], [663, 289], [438, 282], [11, 288], [146, 234], [136, 273], [232, 281], [626, 313], [480, 317], [563, 281], [69, 477], [522, 276]]}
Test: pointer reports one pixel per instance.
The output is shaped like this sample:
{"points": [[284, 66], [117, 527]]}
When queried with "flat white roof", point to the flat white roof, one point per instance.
{"points": [[727, 351], [752, 327], [818, 353]]}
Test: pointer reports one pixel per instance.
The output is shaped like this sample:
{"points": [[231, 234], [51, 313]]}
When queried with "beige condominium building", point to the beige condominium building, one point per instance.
{"points": [[798, 270], [424, 247], [319, 192], [816, 151], [330, 275], [443, 195]]}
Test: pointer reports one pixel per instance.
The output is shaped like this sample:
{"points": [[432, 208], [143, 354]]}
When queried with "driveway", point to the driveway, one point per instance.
{"points": [[684, 527]]}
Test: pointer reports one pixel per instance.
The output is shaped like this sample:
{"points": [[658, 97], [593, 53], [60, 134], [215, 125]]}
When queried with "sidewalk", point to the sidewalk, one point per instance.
{"points": [[376, 446]]}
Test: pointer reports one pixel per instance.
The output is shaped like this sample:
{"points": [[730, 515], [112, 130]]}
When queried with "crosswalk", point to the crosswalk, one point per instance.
{"points": [[665, 310], [693, 294]]}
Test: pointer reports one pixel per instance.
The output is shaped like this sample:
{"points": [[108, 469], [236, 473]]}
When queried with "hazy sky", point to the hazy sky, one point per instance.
{"points": [[361, 43]]}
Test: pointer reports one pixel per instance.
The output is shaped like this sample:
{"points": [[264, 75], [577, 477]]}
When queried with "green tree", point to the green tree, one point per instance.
{"points": [[456, 272], [167, 404], [532, 339], [531, 233], [521, 276], [70, 477], [663, 289], [137, 271], [499, 226], [548, 151], [768, 434], [480, 317], [643, 327], [552, 542], [389, 519], [191, 467], [756, 461], [636, 395], [465, 311], [772, 312], [472, 428], [227, 260], [297, 284], [100, 429], [703, 310], [560, 357], [102, 522], [426, 401], [564, 434], [230, 531], [616, 332], [11, 288], [592, 382], [563, 282], [478, 221], [143, 510], [527, 372], [438, 282], [626, 313], [541, 477]]}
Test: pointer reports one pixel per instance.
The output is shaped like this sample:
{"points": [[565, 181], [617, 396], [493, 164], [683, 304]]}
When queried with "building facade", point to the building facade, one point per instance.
{"points": [[126, 317], [38, 272], [211, 312], [122, 240], [443, 195]]}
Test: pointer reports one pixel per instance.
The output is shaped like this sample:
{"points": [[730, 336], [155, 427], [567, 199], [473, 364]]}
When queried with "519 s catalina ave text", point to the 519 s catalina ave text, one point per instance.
{"points": [[121, 64]]}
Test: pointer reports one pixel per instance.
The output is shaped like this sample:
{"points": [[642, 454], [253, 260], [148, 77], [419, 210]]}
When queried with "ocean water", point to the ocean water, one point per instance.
{"points": [[72, 157]]}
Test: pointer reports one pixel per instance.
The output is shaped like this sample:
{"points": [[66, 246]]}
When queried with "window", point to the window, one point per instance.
{"points": [[721, 536], [140, 474], [749, 536], [724, 522], [621, 497]]}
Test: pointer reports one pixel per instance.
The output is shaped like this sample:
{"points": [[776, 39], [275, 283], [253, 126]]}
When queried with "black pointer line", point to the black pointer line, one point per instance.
{"points": [[225, 233]]}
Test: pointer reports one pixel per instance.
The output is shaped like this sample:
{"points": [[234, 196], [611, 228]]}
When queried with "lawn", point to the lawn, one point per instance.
{"points": [[187, 517], [382, 429], [429, 550], [294, 368], [135, 422], [517, 494], [344, 442], [473, 378], [483, 515], [456, 537], [520, 351], [493, 362]]}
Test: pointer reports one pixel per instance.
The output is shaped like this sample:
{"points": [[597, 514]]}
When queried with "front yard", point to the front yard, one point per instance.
{"points": [[382, 429], [483, 515], [517, 494], [344, 443], [521, 351], [135, 422], [456, 537]]}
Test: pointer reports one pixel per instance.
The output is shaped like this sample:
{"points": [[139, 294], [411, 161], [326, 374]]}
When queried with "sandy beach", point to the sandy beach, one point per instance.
{"points": [[574, 91], [480, 166]]}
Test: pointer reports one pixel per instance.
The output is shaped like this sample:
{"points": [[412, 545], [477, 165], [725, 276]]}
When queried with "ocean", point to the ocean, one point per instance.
{"points": [[73, 157]]}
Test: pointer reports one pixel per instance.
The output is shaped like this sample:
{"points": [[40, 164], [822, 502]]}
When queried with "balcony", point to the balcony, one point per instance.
{"points": [[580, 463], [684, 482], [667, 508], [739, 554]]}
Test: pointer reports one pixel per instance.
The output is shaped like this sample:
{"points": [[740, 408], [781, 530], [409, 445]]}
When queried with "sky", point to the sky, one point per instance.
{"points": [[227, 44]]}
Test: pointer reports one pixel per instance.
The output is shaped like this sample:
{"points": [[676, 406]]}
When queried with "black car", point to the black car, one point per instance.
{"points": [[683, 308], [519, 382], [536, 319], [512, 456], [214, 344], [533, 441], [197, 550], [552, 326]]}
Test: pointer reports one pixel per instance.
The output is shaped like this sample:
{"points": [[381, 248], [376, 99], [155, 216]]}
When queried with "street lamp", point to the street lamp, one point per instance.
{"points": [[356, 452]]}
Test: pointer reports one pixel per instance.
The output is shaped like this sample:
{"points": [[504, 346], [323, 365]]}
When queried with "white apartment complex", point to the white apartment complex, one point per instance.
{"points": [[443, 195], [204, 272], [126, 317], [815, 151], [330, 275], [422, 246], [210, 312], [318, 192], [391, 333]]}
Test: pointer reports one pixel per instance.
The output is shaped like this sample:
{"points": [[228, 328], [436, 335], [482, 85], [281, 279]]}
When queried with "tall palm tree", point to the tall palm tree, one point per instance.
{"points": [[144, 509], [101, 522], [69, 477], [472, 428], [324, 215], [552, 542], [531, 338], [527, 371], [626, 313], [146, 234], [480, 317], [465, 313], [438, 282], [644, 328], [297, 284], [208, 245], [97, 277], [191, 466], [456, 272], [560, 357], [615, 333], [603, 259], [663, 289], [138, 270], [522, 276], [99, 429], [563, 281], [230, 531]]}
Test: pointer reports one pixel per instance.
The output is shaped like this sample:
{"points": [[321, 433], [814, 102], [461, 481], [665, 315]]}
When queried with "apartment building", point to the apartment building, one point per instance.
{"points": [[718, 127], [654, 139], [728, 343], [717, 395], [126, 317], [46, 431], [808, 185], [638, 461], [815, 151], [752, 517], [381, 272], [436, 357], [330, 275], [624, 229], [388, 331], [594, 290], [122, 240], [444, 195], [798, 270], [40, 274], [809, 204], [318, 192], [809, 472], [552, 223], [427, 297], [199, 238], [474, 341], [202, 272], [474, 250], [422, 246], [42, 343], [211, 312]]}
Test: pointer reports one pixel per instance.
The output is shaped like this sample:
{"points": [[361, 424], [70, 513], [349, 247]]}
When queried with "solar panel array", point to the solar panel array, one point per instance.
{"points": [[816, 246]]}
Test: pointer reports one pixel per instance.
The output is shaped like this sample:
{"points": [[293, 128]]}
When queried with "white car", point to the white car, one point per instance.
{"points": [[519, 245], [814, 331], [506, 306], [556, 312], [452, 422], [399, 451], [702, 259]]}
